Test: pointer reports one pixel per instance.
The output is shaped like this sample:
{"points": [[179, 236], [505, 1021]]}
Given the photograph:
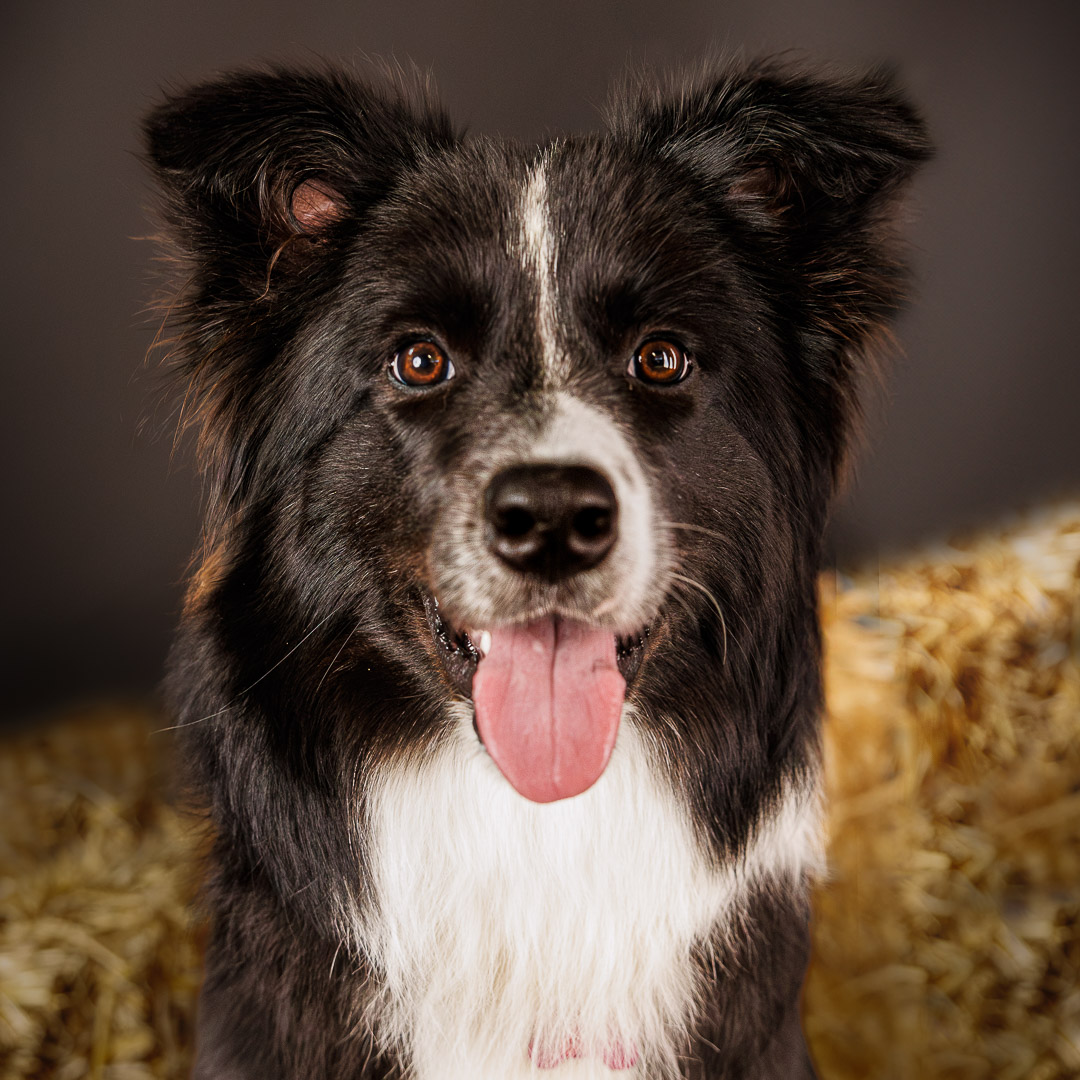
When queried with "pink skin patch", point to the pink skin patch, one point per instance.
{"points": [[546, 1056], [548, 700], [616, 1056], [316, 205]]}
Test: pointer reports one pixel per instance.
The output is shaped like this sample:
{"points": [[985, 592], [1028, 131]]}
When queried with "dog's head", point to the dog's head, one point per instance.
{"points": [[526, 422]]}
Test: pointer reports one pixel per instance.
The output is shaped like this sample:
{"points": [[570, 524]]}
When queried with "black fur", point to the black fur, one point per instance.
{"points": [[751, 209]]}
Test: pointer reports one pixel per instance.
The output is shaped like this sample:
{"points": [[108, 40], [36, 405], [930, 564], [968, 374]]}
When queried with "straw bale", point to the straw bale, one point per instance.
{"points": [[946, 936]]}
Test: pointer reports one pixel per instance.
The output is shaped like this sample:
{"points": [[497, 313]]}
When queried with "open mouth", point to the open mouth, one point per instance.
{"points": [[548, 696], [460, 655]]}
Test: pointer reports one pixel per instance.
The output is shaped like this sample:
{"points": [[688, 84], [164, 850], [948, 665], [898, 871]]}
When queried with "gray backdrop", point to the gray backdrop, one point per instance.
{"points": [[100, 518]]}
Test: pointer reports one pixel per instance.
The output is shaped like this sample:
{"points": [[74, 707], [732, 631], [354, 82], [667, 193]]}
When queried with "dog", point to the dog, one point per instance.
{"points": [[499, 666]]}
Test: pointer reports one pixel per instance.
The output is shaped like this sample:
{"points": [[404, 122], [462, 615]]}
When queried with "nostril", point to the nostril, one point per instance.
{"points": [[515, 522], [592, 522]]}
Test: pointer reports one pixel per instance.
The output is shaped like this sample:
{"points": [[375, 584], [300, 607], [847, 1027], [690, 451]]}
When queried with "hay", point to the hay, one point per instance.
{"points": [[99, 970], [947, 938]]}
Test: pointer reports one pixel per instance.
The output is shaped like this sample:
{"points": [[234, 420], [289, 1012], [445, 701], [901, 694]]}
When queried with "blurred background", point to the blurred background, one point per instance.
{"points": [[980, 417]]}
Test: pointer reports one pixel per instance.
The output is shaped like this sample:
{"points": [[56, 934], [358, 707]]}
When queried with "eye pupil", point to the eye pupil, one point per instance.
{"points": [[660, 361], [422, 364]]}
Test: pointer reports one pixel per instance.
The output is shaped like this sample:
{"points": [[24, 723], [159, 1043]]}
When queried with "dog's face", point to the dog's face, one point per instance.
{"points": [[530, 425], [569, 385]]}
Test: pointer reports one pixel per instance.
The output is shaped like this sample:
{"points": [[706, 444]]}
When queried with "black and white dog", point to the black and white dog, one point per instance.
{"points": [[500, 667]]}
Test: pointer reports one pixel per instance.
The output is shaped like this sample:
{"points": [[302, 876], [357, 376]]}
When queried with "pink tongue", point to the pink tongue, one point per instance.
{"points": [[548, 699]]}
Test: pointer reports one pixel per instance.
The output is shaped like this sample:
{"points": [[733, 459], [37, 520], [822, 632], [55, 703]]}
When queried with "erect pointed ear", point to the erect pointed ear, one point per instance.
{"points": [[809, 162], [266, 168]]}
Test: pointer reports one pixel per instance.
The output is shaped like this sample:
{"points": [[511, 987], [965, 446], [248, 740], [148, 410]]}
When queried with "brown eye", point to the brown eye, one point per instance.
{"points": [[660, 362], [422, 364]]}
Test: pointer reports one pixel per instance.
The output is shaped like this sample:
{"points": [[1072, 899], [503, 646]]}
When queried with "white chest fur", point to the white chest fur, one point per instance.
{"points": [[500, 923]]}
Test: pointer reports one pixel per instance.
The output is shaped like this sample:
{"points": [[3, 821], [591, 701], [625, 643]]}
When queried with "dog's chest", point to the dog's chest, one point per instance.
{"points": [[505, 929]]}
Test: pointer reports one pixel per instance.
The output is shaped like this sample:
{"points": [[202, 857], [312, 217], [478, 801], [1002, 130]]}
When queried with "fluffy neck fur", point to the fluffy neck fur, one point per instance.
{"points": [[486, 930]]}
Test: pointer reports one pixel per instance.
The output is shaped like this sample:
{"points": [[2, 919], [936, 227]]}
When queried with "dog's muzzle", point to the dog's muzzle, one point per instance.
{"points": [[548, 575]]}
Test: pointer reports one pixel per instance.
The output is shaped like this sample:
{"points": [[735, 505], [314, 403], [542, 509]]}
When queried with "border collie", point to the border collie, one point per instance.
{"points": [[499, 666]]}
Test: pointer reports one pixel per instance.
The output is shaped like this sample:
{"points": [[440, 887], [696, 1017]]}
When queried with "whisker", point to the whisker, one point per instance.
{"points": [[229, 704], [715, 603], [683, 604], [341, 649], [693, 528]]}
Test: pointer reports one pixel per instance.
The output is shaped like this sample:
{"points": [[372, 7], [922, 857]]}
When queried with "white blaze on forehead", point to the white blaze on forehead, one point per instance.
{"points": [[539, 255]]}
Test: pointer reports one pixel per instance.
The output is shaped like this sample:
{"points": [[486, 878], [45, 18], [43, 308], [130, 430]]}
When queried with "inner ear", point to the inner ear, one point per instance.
{"points": [[315, 206]]}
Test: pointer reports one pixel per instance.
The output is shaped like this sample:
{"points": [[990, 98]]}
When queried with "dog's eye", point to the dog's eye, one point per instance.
{"points": [[422, 364], [660, 363]]}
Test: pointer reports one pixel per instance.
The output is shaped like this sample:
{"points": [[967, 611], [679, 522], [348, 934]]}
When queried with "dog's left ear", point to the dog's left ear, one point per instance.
{"points": [[805, 171], [805, 158]]}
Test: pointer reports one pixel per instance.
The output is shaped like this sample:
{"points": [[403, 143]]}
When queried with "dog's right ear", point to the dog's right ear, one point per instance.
{"points": [[266, 180], [263, 171]]}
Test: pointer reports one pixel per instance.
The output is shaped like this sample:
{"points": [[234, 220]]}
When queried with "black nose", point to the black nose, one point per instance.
{"points": [[550, 520]]}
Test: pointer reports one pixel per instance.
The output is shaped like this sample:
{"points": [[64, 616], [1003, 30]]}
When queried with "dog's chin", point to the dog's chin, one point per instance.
{"points": [[459, 654]]}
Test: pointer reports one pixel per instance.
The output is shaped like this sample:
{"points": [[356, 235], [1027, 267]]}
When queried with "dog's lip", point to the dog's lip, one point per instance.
{"points": [[455, 648], [460, 650]]}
